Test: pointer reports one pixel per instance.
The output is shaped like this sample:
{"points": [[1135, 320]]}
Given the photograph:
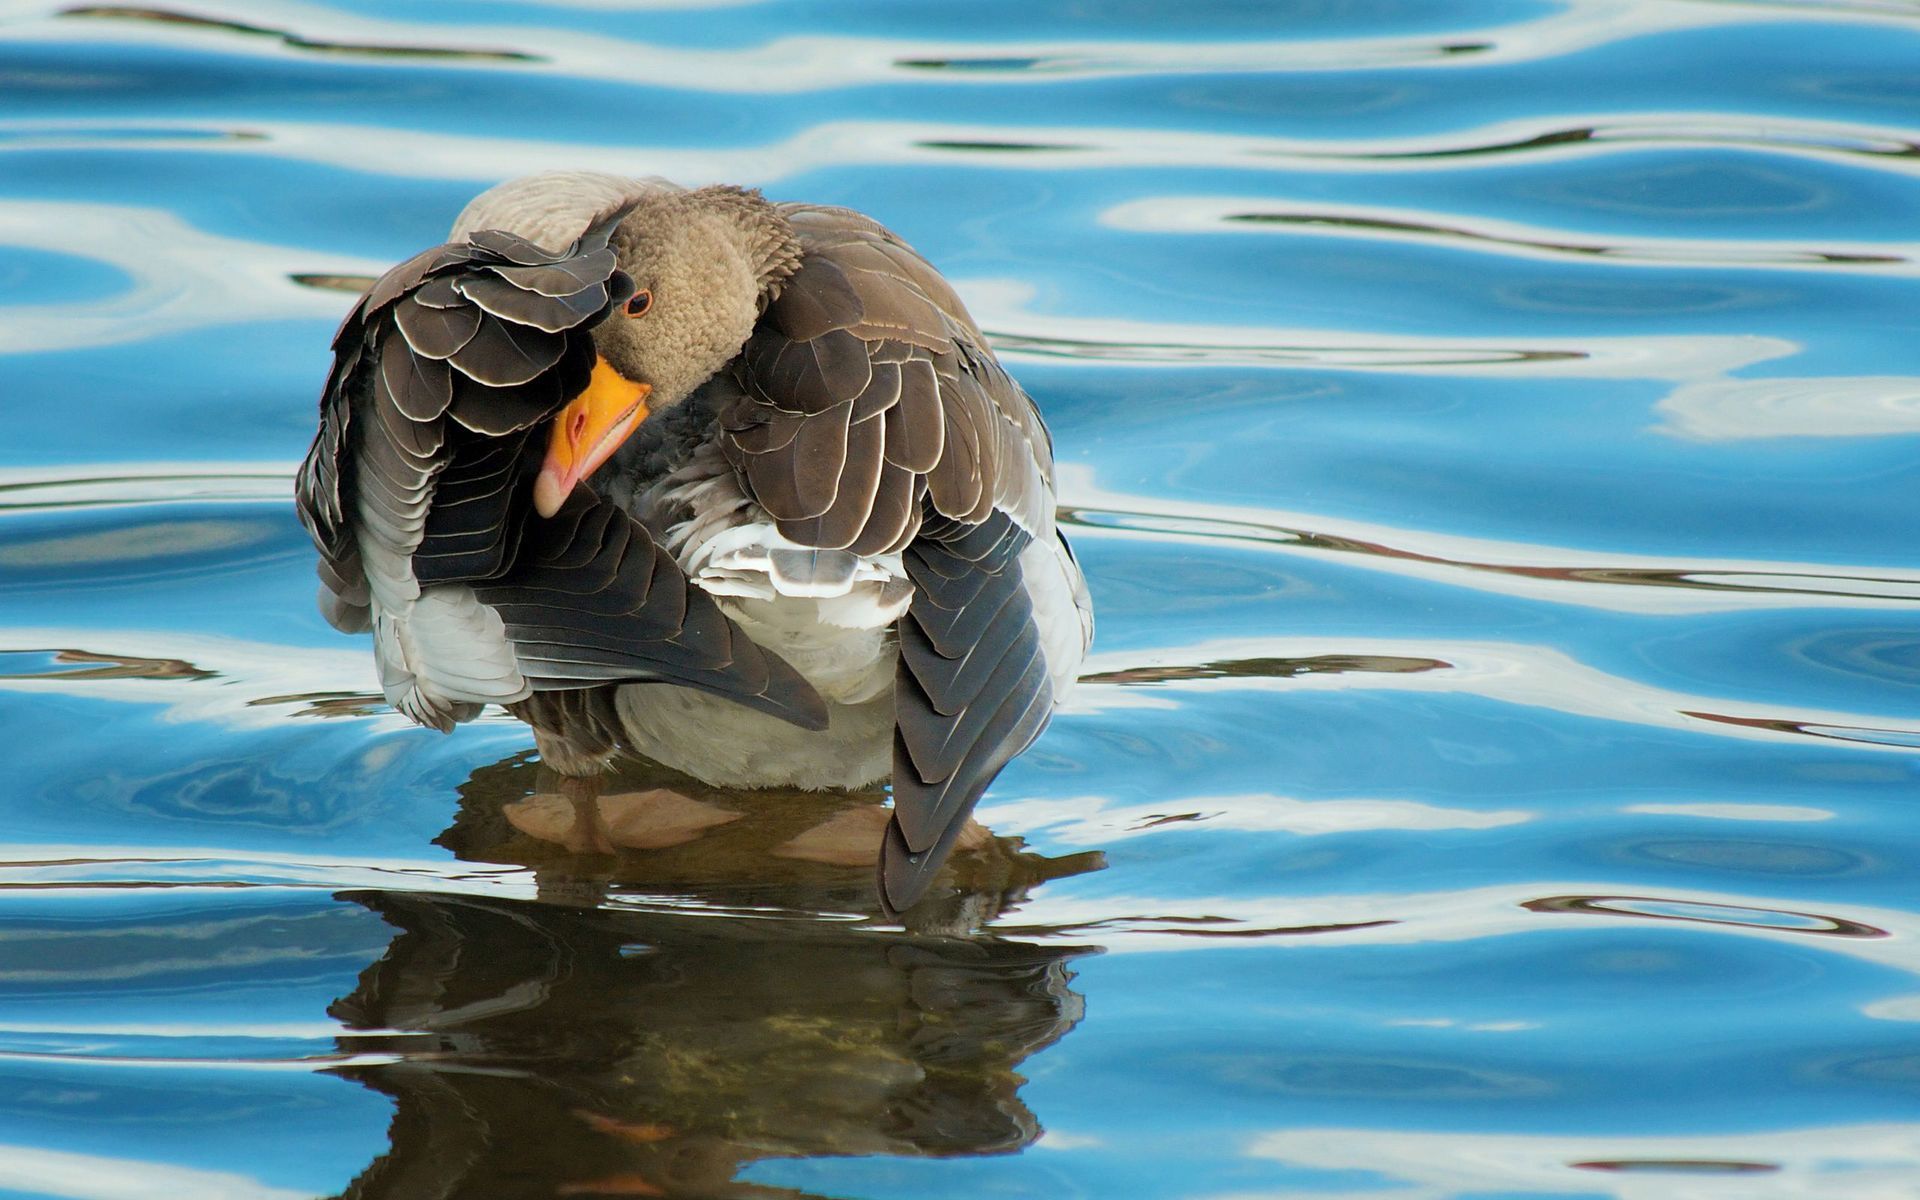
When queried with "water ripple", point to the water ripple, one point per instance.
{"points": [[90, 665], [1212, 214], [139, 484], [1654, 908], [178, 277], [1487, 913], [1639, 584], [1859, 1161], [1479, 814], [1517, 673], [292, 41], [196, 677], [1538, 138]]}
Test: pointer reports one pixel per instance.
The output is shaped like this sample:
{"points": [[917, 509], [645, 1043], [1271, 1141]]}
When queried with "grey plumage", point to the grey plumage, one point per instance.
{"points": [[973, 689], [452, 505], [847, 406]]}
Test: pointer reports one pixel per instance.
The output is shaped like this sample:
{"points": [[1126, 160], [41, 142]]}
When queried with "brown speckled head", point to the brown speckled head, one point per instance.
{"points": [[703, 262]]}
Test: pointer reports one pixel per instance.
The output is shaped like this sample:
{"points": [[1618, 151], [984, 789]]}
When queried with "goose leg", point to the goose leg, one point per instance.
{"points": [[588, 834]]}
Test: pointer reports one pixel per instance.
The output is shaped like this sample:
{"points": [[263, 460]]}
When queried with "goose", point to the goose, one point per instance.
{"points": [[730, 484]]}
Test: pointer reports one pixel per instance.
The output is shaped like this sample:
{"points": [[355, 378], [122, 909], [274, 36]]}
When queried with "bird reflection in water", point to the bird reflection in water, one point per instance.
{"points": [[607, 1040]]}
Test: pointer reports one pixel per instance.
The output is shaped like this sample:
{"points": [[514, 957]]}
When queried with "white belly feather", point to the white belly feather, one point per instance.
{"points": [[828, 613]]}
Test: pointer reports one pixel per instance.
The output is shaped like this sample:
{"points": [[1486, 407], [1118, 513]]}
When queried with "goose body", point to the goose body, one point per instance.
{"points": [[793, 526]]}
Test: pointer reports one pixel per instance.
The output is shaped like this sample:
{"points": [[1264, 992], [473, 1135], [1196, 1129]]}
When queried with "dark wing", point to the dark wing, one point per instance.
{"points": [[973, 690], [874, 417], [421, 475], [418, 358], [869, 389], [592, 599]]}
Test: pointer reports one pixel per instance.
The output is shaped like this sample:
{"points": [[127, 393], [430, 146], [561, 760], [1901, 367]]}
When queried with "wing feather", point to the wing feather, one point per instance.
{"points": [[420, 389], [973, 689], [436, 332], [416, 491], [854, 486], [871, 415], [916, 428], [506, 353], [893, 513], [608, 604]]}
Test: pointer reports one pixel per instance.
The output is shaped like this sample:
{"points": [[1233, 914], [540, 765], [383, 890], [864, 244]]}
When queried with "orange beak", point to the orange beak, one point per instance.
{"points": [[587, 432]]}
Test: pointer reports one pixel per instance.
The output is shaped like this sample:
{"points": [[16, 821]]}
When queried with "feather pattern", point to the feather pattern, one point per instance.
{"points": [[854, 519], [597, 601], [972, 690], [867, 324], [416, 492], [869, 416]]}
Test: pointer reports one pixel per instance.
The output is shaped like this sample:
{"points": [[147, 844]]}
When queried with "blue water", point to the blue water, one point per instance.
{"points": [[1492, 434]]}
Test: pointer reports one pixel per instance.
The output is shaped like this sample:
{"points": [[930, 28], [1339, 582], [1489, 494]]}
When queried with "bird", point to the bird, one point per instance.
{"points": [[732, 484]]}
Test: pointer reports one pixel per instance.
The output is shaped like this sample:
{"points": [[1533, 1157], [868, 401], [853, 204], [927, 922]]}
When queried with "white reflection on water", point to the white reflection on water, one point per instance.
{"points": [[1088, 821], [414, 153], [808, 62], [1858, 1162], [108, 871], [256, 680], [128, 545], [1735, 812], [290, 1030], [245, 676], [790, 64], [1549, 138], [32, 1170], [95, 485], [1822, 407], [1894, 1008], [424, 154], [179, 277]]}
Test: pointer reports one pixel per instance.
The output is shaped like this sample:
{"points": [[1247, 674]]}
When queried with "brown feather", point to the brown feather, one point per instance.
{"points": [[499, 410], [760, 430], [437, 293], [436, 332], [856, 482], [840, 370], [398, 279], [964, 705], [420, 441], [893, 515], [881, 393], [817, 300], [513, 248], [503, 353], [552, 314], [916, 429], [802, 480], [562, 278], [418, 386], [956, 486]]}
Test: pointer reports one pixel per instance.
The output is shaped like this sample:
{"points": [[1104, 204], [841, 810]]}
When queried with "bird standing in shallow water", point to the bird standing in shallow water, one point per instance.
{"points": [[734, 485]]}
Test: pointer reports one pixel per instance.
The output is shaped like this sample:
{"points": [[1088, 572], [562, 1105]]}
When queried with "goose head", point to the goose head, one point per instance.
{"points": [[704, 264]]}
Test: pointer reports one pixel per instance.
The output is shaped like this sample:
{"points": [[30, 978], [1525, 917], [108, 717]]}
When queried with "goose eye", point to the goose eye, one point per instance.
{"points": [[641, 302]]}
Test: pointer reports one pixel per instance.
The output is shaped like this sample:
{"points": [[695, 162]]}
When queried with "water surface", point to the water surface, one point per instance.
{"points": [[1492, 443]]}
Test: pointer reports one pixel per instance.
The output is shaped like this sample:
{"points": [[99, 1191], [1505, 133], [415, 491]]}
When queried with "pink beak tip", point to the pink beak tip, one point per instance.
{"points": [[550, 492]]}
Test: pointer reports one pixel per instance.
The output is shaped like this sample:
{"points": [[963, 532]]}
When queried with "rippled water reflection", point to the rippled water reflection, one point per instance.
{"points": [[1491, 440]]}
